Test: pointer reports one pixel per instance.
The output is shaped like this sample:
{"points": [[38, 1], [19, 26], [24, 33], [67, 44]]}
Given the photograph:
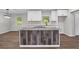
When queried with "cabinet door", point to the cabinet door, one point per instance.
{"points": [[34, 16], [23, 37], [62, 12], [56, 37], [54, 16]]}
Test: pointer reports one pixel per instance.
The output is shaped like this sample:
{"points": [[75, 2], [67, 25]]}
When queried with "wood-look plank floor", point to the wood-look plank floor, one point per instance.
{"points": [[10, 41]]}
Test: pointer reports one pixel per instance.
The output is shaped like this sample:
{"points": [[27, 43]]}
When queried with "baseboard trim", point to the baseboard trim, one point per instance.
{"points": [[69, 35], [39, 45], [4, 32]]}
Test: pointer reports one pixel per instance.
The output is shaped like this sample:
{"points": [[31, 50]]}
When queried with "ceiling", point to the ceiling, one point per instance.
{"points": [[13, 11], [21, 11]]}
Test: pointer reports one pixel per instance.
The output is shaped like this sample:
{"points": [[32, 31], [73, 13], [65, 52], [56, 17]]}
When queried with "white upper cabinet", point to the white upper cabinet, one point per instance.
{"points": [[34, 16], [62, 12], [54, 16], [46, 13]]}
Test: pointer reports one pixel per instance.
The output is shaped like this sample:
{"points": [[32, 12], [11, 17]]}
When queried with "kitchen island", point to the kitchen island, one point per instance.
{"points": [[39, 36]]}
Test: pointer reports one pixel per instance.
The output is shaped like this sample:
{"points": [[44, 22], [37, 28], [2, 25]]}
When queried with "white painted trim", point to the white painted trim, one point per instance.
{"points": [[76, 35], [39, 45], [19, 37], [61, 33], [59, 38], [4, 32], [74, 10], [69, 35]]}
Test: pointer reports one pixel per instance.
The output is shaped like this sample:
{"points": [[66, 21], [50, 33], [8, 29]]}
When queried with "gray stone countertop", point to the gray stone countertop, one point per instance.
{"points": [[40, 28]]}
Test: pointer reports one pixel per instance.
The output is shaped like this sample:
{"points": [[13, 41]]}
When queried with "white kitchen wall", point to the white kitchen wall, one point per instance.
{"points": [[4, 24], [69, 24], [14, 27], [76, 14]]}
